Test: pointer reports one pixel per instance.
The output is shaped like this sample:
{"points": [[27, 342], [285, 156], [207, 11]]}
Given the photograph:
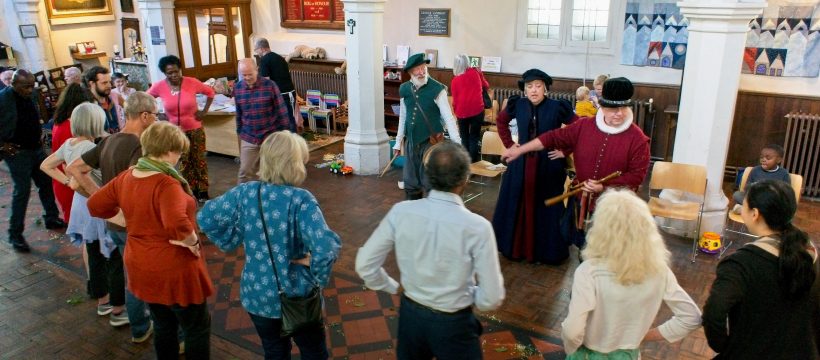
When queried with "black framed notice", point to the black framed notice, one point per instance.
{"points": [[434, 22]]}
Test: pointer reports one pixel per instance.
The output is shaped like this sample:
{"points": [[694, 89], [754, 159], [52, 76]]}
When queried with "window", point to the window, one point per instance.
{"points": [[573, 25]]}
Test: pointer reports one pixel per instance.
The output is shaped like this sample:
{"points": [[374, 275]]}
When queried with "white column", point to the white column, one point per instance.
{"points": [[158, 13], [717, 36], [366, 144], [35, 54]]}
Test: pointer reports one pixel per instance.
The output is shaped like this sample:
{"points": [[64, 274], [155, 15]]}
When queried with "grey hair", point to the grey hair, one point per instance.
{"points": [[261, 43], [448, 166], [72, 71], [88, 119], [460, 64], [138, 103]]}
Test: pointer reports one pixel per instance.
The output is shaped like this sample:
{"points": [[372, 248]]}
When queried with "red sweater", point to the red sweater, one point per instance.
{"points": [[158, 272], [466, 89]]}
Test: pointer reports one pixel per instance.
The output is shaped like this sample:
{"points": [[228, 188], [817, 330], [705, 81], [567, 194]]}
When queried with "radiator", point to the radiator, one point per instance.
{"points": [[500, 94], [327, 83], [803, 150]]}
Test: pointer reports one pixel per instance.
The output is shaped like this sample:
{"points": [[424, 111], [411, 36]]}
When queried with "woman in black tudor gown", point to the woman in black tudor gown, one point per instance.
{"points": [[525, 228]]}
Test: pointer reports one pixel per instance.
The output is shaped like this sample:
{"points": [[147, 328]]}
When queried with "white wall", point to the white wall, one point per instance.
{"points": [[487, 28], [103, 33]]}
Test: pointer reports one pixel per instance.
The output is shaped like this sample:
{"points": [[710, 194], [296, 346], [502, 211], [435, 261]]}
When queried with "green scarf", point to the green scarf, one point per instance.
{"points": [[147, 164]]}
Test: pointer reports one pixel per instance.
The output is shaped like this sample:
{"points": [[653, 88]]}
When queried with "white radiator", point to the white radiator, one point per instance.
{"points": [[803, 150]]}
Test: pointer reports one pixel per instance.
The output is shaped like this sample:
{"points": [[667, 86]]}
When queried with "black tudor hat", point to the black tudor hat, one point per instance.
{"points": [[534, 74], [616, 92], [415, 60]]}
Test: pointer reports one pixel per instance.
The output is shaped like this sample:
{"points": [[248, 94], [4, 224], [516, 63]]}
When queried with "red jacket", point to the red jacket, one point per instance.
{"points": [[466, 89]]}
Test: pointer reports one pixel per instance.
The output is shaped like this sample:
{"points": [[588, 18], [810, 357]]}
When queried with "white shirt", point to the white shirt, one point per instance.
{"points": [[606, 316], [446, 115], [442, 250]]}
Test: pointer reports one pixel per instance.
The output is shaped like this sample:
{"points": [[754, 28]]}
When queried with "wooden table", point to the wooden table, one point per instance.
{"points": [[220, 133]]}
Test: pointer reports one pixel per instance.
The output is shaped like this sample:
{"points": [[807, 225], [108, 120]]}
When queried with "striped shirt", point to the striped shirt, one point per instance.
{"points": [[260, 110]]}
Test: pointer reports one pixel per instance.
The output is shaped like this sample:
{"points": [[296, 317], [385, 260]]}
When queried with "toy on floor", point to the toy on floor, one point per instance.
{"points": [[337, 164], [710, 243]]}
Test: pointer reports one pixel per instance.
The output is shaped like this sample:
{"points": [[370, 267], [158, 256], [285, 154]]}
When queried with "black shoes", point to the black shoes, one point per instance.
{"points": [[55, 224], [18, 242]]}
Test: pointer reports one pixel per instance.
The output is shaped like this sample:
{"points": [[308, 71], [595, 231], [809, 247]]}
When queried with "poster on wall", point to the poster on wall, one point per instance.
{"points": [[784, 41], [491, 64], [655, 34], [312, 14]]}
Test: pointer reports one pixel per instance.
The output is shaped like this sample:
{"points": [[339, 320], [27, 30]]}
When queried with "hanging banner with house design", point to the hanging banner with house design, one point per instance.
{"points": [[655, 34], [784, 40]]}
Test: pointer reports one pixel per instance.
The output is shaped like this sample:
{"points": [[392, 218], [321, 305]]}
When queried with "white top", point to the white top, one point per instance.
{"points": [[446, 115], [606, 316], [442, 250]]}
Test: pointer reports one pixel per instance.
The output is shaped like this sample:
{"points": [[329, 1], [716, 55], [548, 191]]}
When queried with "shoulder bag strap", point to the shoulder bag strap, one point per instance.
{"points": [[267, 239], [418, 106]]}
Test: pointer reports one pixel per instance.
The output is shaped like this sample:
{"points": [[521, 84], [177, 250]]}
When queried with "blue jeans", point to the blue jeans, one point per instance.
{"points": [[136, 308], [23, 168], [311, 342], [194, 320], [424, 333]]}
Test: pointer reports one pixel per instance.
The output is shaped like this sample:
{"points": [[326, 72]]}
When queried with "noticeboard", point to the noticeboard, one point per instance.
{"points": [[312, 14], [434, 22]]}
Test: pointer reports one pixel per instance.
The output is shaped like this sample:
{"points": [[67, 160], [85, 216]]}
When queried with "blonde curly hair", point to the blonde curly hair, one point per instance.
{"points": [[625, 237]]}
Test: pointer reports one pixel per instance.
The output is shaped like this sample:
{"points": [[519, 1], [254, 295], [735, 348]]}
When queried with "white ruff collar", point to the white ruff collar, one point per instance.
{"points": [[612, 130]]}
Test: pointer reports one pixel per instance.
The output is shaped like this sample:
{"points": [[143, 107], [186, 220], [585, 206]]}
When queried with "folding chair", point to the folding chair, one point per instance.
{"points": [[313, 101], [683, 177], [735, 224], [490, 145], [330, 102]]}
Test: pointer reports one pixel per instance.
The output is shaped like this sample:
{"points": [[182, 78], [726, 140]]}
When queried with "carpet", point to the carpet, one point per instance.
{"points": [[317, 141]]}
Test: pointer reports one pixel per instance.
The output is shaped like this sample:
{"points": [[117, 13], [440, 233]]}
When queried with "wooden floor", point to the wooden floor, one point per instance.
{"points": [[36, 320]]}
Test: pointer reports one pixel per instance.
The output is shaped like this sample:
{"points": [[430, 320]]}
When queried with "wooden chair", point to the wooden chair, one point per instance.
{"points": [[340, 116], [490, 145], [683, 177], [735, 224], [329, 103]]}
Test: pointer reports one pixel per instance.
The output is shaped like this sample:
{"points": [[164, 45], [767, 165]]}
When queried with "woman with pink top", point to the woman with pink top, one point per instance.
{"points": [[178, 94]]}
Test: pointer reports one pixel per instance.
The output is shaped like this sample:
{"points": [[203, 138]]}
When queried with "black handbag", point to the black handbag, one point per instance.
{"points": [[488, 102], [298, 312]]}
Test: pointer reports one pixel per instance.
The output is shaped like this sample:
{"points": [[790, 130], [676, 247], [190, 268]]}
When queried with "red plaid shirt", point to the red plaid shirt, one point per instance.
{"points": [[260, 110]]}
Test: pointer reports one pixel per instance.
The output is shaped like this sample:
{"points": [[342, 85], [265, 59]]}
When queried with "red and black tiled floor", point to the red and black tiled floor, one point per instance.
{"points": [[44, 312]]}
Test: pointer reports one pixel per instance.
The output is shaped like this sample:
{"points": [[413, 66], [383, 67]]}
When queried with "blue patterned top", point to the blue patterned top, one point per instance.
{"points": [[296, 227]]}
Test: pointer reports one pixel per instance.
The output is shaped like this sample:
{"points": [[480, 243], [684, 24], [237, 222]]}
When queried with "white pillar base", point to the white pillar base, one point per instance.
{"points": [[367, 157]]}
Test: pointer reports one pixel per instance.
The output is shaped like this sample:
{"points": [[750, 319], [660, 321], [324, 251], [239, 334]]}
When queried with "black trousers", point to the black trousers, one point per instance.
{"points": [[195, 322], [425, 334], [107, 276], [470, 131]]}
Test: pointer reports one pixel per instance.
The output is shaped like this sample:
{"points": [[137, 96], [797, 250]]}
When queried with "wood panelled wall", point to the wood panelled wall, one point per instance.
{"points": [[759, 121], [758, 117]]}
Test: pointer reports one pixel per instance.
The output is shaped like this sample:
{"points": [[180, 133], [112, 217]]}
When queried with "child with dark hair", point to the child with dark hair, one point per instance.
{"points": [[765, 301], [769, 169]]}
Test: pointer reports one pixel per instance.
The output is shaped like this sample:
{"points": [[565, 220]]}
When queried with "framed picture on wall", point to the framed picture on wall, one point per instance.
{"points": [[28, 31], [74, 8], [127, 6], [130, 35]]}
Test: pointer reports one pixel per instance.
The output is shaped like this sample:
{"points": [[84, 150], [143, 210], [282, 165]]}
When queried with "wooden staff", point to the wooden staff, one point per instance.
{"points": [[388, 166], [576, 189]]}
